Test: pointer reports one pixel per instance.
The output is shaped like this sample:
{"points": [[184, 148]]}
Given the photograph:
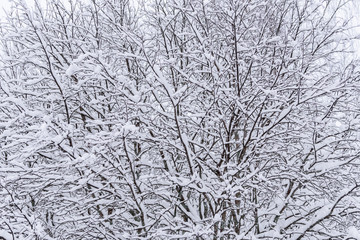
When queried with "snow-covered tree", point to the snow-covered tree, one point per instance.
{"points": [[190, 119]]}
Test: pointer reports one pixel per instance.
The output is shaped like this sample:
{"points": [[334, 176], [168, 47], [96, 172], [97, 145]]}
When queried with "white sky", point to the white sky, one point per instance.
{"points": [[4, 5]]}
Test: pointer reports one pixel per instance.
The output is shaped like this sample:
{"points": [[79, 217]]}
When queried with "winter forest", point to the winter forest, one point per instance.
{"points": [[179, 119]]}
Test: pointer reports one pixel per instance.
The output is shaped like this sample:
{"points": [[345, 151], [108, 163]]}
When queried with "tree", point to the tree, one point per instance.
{"points": [[178, 120]]}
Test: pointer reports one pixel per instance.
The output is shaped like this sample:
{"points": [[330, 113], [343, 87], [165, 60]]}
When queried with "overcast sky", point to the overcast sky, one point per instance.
{"points": [[4, 5]]}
